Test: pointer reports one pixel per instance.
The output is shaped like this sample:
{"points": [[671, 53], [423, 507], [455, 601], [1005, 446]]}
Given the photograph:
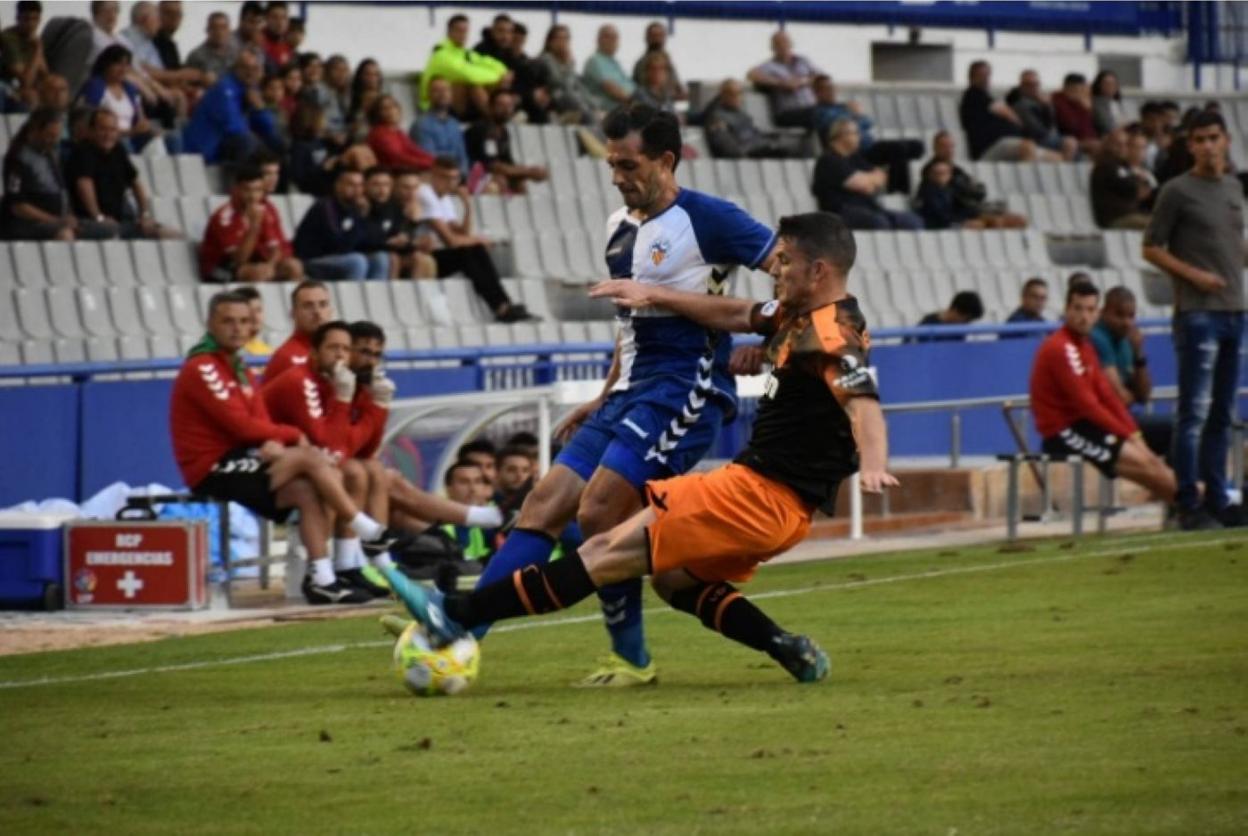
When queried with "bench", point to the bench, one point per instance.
{"points": [[1040, 464]]}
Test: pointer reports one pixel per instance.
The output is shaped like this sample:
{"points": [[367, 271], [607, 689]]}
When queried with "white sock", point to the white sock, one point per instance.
{"points": [[483, 516], [322, 571], [348, 553], [383, 561], [367, 527]]}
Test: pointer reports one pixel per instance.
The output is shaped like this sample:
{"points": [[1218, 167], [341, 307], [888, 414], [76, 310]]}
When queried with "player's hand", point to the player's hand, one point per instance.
{"points": [[1207, 282], [1135, 338], [344, 382], [747, 359], [270, 450], [571, 422], [623, 292], [875, 481], [382, 389]]}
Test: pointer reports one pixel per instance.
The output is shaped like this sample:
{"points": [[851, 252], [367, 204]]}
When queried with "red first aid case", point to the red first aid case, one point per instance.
{"points": [[136, 565]]}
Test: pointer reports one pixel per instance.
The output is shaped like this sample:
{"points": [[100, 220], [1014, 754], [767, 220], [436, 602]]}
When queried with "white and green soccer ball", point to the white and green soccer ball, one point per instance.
{"points": [[430, 672]]}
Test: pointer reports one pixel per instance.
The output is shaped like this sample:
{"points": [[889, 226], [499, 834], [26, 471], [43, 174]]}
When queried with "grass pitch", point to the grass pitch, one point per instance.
{"points": [[1100, 687]]}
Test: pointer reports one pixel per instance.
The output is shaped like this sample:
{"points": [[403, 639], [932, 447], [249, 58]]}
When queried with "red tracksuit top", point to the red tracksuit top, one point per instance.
{"points": [[213, 412], [1067, 385], [294, 352], [304, 399]]}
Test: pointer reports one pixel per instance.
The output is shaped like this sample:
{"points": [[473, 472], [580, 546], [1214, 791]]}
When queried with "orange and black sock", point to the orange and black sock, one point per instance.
{"points": [[533, 590], [725, 610]]}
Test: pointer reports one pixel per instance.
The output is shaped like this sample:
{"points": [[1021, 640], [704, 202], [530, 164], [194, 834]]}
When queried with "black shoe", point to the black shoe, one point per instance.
{"points": [[1198, 519], [801, 657], [337, 592], [516, 313], [357, 579], [1233, 516], [387, 540]]}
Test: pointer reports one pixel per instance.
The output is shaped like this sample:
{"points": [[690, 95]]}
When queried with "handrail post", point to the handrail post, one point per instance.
{"points": [[1076, 491], [855, 507], [955, 440], [1012, 511]]}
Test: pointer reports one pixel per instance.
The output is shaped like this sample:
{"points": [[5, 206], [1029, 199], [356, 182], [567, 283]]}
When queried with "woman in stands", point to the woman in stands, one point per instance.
{"points": [[393, 147], [107, 88], [568, 94], [1107, 110], [365, 91], [656, 88]]}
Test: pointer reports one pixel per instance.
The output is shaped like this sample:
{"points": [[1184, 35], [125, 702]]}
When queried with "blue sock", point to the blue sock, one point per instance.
{"points": [[523, 547], [621, 612]]}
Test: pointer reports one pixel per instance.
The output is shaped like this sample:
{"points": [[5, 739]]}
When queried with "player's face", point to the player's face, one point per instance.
{"points": [[1208, 146], [514, 472], [366, 354], [230, 325], [1119, 318], [466, 485], [1081, 314], [335, 349], [638, 178], [488, 471], [794, 276], [312, 310]]}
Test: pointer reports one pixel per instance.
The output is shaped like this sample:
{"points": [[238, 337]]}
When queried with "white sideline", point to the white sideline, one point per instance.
{"points": [[1130, 545]]}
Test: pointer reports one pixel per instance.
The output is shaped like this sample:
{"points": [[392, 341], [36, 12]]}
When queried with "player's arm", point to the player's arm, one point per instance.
{"points": [[866, 420], [231, 415], [1115, 382], [722, 313], [568, 425]]}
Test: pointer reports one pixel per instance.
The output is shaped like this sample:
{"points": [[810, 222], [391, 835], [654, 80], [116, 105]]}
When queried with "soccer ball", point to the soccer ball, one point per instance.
{"points": [[428, 671]]}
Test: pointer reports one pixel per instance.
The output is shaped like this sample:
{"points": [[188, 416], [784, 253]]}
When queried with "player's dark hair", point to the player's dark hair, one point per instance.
{"points": [[1033, 282], [523, 438], [459, 465], [445, 163], [248, 292], [114, 54], [24, 6], [519, 28], [225, 297], [477, 445], [297, 24], [823, 236], [454, 19], [1151, 108], [1080, 289], [975, 67], [660, 130], [323, 331], [306, 284], [502, 17], [1119, 295], [263, 156], [1076, 277], [1206, 119], [251, 8], [248, 172], [275, 4], [365, 330], [510, 451], [968, 304]]}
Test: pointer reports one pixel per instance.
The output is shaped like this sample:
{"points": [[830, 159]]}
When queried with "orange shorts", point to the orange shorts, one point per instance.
{"points": [[720, 525]]}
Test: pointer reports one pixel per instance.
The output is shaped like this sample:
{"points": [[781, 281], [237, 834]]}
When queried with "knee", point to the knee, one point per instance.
{"points": [[594, 514], [665, 586], [353, 473], [301, 494], [357, 266]]}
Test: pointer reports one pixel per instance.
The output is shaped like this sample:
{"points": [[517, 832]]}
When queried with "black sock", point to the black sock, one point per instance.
{"points": [[533, 590], [722, 609]]}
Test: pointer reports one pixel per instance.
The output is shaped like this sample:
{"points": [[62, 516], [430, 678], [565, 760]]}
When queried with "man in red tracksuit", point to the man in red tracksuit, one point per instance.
{"points": [[1076, 409], [310, 308], [228, 447]]}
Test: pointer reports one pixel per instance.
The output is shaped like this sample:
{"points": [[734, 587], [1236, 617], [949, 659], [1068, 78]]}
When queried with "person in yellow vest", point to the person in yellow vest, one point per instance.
{"points": [[256, 346], [465, 482]]}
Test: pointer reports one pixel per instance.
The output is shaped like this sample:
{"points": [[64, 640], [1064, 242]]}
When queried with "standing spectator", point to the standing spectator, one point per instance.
{"points": [[1072, 105], [656, 41], [108, 89], [489, 146], [333, 240], [894, 154], [457, 248], [1107, 110], [845, 183], [1032, 304], [964, 308], [219, 51], [655, 89], [255, 345], [36, 206], [1116, 192], [604, 77], [392, 146], [273, 35], [529, 78], [731, 132], [993, 130], [569, 95], [22, 63], [243, 241], [1119, 346], [366, 90], [471, 74], [437, 130], [496, 39], [787, 79], [1196, 236], [230, 122], [99, 174], [1035, 113]]}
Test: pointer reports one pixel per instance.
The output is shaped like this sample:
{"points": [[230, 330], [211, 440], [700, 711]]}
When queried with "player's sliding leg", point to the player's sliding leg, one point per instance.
{"points": [[321, 586], [1144, 467]]}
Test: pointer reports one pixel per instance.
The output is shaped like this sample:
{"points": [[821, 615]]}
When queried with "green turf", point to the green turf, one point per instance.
{"points": [[1089, 689]]}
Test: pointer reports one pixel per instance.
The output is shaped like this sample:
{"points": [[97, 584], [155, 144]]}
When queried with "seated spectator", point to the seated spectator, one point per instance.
{"points": [[273, 95], [313, 70], [366, 91], [1119, 345], [393, 147], [243, 241], [465, 483], [1108, 112], [169, 14], [107, 89], [22, 63], [141, 36], [385, 217], [655, 88], [292, 88], [1117, 193], [529, 78], [482, 453], [471, 74], [415, 261], [53, 92], [296, 31], [894, 154], [570, 98], [489, 146], [937, 201], [1156, 129], [271, 174], [230, 123], [787, 79], [993, 130], [333, 94], [219, 51], [845, 183], [255, 346], [273, 35], [165, 104], [1032, 304], [437, 130], [970, 195], [313, 160], [249, 37], [964, 308], [656, 41], [99, 173], [513, 482], [605, 79], [1072, 107], [1137, 159], [496, 39], [36, 206], [1077, 411], [1035, 113], [333, 240], [457, 249], [731, 132]]}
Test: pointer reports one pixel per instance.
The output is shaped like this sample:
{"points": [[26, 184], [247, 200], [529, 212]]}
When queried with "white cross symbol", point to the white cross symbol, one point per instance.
{"points": [[130, 583]]}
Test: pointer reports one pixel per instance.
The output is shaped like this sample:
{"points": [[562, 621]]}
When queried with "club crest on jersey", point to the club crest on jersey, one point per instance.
{"points": [[658, 252]]}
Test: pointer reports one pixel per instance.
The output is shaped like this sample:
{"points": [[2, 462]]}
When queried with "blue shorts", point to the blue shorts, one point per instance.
{"points": [[633, 434]]}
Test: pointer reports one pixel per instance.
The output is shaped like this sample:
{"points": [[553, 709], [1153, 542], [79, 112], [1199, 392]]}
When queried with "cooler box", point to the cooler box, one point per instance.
{"points": [[136, 565], [30, 560]]}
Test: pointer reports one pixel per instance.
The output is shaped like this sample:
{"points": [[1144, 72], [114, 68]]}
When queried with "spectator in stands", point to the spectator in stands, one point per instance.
{"points": [[655, 88], [1119, 345], [99, 173], [656, 41], [385, 217], [296, 31], [108, 89], [273, 35], [249, 37], [457, 248], [496, 39], [334, 241], [366, 91], [437, 130], [255, 345], [313, 160], [731, 132], [845, 183], [1116, 192], [1072, 105], [482, 453], [893, 154], [529, 78], [1036, 116], [165, 104], [243, 241], [527, 443], [489, 146], [169, 14], [937, 201], [514, 480], [569, 95], [994, 132], [787, 79], [22, 63], [271, 175], [393, 147], [415, 261], [1196, 236], [230, 122], [464, 483], [604, 77], [1076, 410], [334, 96], [970, 195], [141, 37], [227, 447], [273, 95], [1108, 112], [310, 308], [965, 308], [1035, 298], [471, 74], [219, 51], [53, 92], [1156, 129]]}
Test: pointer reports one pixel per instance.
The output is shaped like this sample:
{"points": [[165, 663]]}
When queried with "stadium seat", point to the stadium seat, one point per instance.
{"points": [[133, 347], [10, 354], [379, 304], [695, 138], [94, 313], [434, 304], [600, 331], [726, 177], [445, 336], [542, 211], [1037, 247], [299, 206], [117, 265], [593, 211], [184, 311], [203, 294], [702, 175], [465, 305], [950, 244], [404, 303], [164, 346], [58, 258], [179, 260], [28, 264], [37, 352], [88, 261], [102, 350], [9, 329], [519, 219], [194, 212], [533, 295], [69, 350], [554, 259], [124, 310], [152, 306], [491, 217], [581, 262], [32, 313], [349, 304], [148, 268], [587, 174], [192, 176], [164, 176], [276, 300]]}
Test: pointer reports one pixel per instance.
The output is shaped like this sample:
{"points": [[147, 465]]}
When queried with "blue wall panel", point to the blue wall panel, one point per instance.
{"points": [[38, 442], [125, 434]]}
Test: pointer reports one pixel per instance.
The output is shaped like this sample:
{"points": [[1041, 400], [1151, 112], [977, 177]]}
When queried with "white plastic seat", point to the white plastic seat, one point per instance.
{"points": [[88, 261], [581, 262], [593, 213], [350, 301], [10, 354], [124, 311], [542, 211], [445, 336], [72, 350], [1049, 175], [192, 176], [58, 259], [379, 303], [994, 249], [163, 176], [179, 261], [465, 305], [491, 218], [404, 304], [950, 244], [149, 269], [32, 313], [1028, 178], [433, 301], [519, 219], [94, 311], [194, 216], [299, 206], [161, 347], [152, 306], [184, 310], [527, 262], [133, 347], [102, 350], [39, 352], [554, 259]]}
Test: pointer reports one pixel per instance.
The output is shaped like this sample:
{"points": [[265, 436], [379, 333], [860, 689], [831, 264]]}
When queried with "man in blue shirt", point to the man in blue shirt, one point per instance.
{"points": [[231, 122], [334, 240], [1031, 305], [1120, 347], [437, 130]]}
